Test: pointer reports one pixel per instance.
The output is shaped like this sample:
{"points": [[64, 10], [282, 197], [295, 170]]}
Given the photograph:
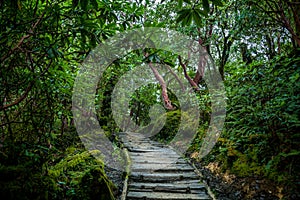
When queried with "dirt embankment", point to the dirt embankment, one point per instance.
{"points": [[229, 187]]}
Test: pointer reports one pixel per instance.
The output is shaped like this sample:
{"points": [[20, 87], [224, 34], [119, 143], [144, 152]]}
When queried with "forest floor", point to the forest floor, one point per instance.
{"points": [[226, 186]]}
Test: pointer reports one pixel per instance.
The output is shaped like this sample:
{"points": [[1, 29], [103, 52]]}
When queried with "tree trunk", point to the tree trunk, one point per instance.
{"points": [[167, 102], [192, 83]]}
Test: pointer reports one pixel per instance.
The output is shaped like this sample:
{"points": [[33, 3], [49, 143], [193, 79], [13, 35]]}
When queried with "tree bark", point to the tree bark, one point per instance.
{"points": [[192, 83], [167, 103]]}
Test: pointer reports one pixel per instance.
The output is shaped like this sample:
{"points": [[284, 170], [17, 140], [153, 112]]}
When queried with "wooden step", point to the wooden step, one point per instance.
{"points": [[162, 177], [163, 195], [171, 187], [162, 167], [169, 190], [160, 160]]}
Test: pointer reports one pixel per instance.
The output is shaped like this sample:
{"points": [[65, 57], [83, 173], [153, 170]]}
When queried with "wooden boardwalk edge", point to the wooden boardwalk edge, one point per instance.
{"points": [[125, 185]]}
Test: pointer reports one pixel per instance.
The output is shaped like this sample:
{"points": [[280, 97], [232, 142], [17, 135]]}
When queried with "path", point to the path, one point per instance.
{"points": [[158, 172]]}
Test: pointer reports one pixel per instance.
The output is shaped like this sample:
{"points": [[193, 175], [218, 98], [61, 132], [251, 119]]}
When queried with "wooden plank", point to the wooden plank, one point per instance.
{"points": [[159, 177], [157, 161], [169, 186], [187, 181], [141, 150], [168, 196], [159, 154], [162, 167], [170, 190], [156, 154]]}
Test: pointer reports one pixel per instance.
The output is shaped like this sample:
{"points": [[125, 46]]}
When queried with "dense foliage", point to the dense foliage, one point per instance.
{"points": [[255, 45], [42, 43], [32, 171], [263, 119], [261, 136]]}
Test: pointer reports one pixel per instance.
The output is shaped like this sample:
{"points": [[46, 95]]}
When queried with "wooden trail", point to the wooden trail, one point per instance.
{"points": [[158, 172]]}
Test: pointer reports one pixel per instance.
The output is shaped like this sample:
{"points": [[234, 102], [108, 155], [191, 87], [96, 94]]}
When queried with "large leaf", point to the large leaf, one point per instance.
{"points": [[183, 14], [197, 18], [188, 19], [180, 2]]}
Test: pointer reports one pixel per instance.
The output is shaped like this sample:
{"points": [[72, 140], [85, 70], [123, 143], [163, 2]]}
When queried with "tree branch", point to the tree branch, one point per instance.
{"points": [[23, 38], [28, 89], [21, 98], [176, 77], [167, 102], [192, 83]]}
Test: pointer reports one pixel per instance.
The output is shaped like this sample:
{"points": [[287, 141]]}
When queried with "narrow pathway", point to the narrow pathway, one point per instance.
{"points": [[158, 172]]}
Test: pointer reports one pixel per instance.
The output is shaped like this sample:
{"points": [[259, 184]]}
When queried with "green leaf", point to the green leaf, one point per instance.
{"points": [[75, 3], [182, 15], [201, 12], [50, 53], [94, 4], [187, 20], [187, 1], [83, 4], [205, 5], [197, 18], [292, 153], [217, 2], [180, 2]]}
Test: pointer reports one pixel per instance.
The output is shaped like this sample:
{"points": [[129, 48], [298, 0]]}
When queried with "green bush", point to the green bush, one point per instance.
{"points": [[29, 171], [261, 134]]}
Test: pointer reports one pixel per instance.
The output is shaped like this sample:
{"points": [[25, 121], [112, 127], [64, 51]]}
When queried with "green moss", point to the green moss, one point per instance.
{"points": [[73, 175], [80, 176], [244, 168]]}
